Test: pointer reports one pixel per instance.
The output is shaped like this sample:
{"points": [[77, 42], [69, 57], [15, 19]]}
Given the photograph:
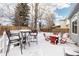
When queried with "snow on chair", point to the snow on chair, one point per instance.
{"points": [[64, 38]]}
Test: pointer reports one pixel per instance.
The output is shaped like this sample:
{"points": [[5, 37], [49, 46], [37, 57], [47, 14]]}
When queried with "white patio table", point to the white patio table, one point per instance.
{"points": [[25, 32]]}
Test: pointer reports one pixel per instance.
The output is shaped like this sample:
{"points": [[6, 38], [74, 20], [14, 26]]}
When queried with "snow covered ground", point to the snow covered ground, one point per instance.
{"points": [[43, 48]]}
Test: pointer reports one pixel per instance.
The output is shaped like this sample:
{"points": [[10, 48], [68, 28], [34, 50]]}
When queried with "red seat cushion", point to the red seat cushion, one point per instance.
{"points": [[52, 39], [63, 41]]}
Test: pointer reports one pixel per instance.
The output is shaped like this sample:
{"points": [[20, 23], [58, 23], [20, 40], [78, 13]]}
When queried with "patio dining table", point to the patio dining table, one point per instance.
{"points": [[24, 32], [21, 32], [25, 35]]}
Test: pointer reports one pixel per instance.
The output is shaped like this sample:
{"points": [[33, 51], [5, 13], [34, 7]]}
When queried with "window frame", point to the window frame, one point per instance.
{"points": [[74, 26]]}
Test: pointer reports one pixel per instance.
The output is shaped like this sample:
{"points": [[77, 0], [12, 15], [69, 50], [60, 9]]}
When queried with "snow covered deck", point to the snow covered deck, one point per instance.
{"points": [[43, 48]]}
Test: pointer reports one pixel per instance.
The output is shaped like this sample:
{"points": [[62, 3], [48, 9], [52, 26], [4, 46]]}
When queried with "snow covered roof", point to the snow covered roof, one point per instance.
{"points": [[5, 22], [74, 10]]}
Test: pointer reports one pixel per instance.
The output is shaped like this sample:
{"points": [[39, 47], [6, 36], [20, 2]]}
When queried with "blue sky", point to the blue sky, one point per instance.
{"points": [[64, 11]]}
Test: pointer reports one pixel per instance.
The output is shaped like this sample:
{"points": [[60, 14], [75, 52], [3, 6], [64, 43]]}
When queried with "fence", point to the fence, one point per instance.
{"points": [[63, 30], [44, 30], [2, 28]]}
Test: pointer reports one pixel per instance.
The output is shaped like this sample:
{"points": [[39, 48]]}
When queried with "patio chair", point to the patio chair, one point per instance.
{"points": [[13, 38], [70, 52], [66, 54], [64, 38], [46, 37], [33, 36]]}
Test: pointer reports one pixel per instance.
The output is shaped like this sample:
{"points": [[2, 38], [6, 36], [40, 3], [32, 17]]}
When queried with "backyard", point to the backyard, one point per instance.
{"points": [[38, 29]]}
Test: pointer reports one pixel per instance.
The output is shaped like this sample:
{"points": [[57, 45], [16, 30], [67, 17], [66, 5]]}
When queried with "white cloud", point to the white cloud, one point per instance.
{"points": [[61, 6], [58, 18]]}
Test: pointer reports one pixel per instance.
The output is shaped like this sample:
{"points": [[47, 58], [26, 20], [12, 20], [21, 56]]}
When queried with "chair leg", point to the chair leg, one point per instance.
{"points": [[25, 44], [21, 47], [36, 41], [8, 48], [29, 43]]}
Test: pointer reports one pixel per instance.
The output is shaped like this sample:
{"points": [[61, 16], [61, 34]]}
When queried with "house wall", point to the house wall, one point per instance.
{"points": [[74, 36]]}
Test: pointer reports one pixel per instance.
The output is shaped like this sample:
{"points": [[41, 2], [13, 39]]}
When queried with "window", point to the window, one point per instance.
{"points": [[74, 26]]}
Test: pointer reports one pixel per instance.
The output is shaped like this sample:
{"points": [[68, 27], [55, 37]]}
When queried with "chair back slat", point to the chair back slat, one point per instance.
{"points": [[8, 34]]}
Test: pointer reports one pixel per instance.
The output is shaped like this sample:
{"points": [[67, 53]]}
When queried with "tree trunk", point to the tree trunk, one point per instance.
{"points": [[36, 15]]}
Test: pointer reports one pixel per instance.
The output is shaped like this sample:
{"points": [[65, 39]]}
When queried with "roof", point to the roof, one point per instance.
{"points": [[74, 10], [58, 26], [5, 22]]}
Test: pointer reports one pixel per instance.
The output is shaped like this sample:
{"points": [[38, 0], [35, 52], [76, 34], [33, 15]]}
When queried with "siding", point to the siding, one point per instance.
{"points": [[75, 37]]}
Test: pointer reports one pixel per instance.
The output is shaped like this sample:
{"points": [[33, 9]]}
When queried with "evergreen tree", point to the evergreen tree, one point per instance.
{"points": [[22, 14]]}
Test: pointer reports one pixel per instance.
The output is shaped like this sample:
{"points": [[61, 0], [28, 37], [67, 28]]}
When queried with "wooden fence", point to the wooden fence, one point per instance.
{"points": [[2, 28], [63, 30], [44, 30]]}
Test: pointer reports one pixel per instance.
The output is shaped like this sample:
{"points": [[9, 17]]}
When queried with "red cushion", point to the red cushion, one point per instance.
{"points": [[52, 39], [63, 41]]}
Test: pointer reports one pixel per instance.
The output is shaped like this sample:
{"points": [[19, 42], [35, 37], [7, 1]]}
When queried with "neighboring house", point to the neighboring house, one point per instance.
{"points": [[67, 23], [63, 23], [74, 23], [57, 26], [6, 22], [63, 26]]}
